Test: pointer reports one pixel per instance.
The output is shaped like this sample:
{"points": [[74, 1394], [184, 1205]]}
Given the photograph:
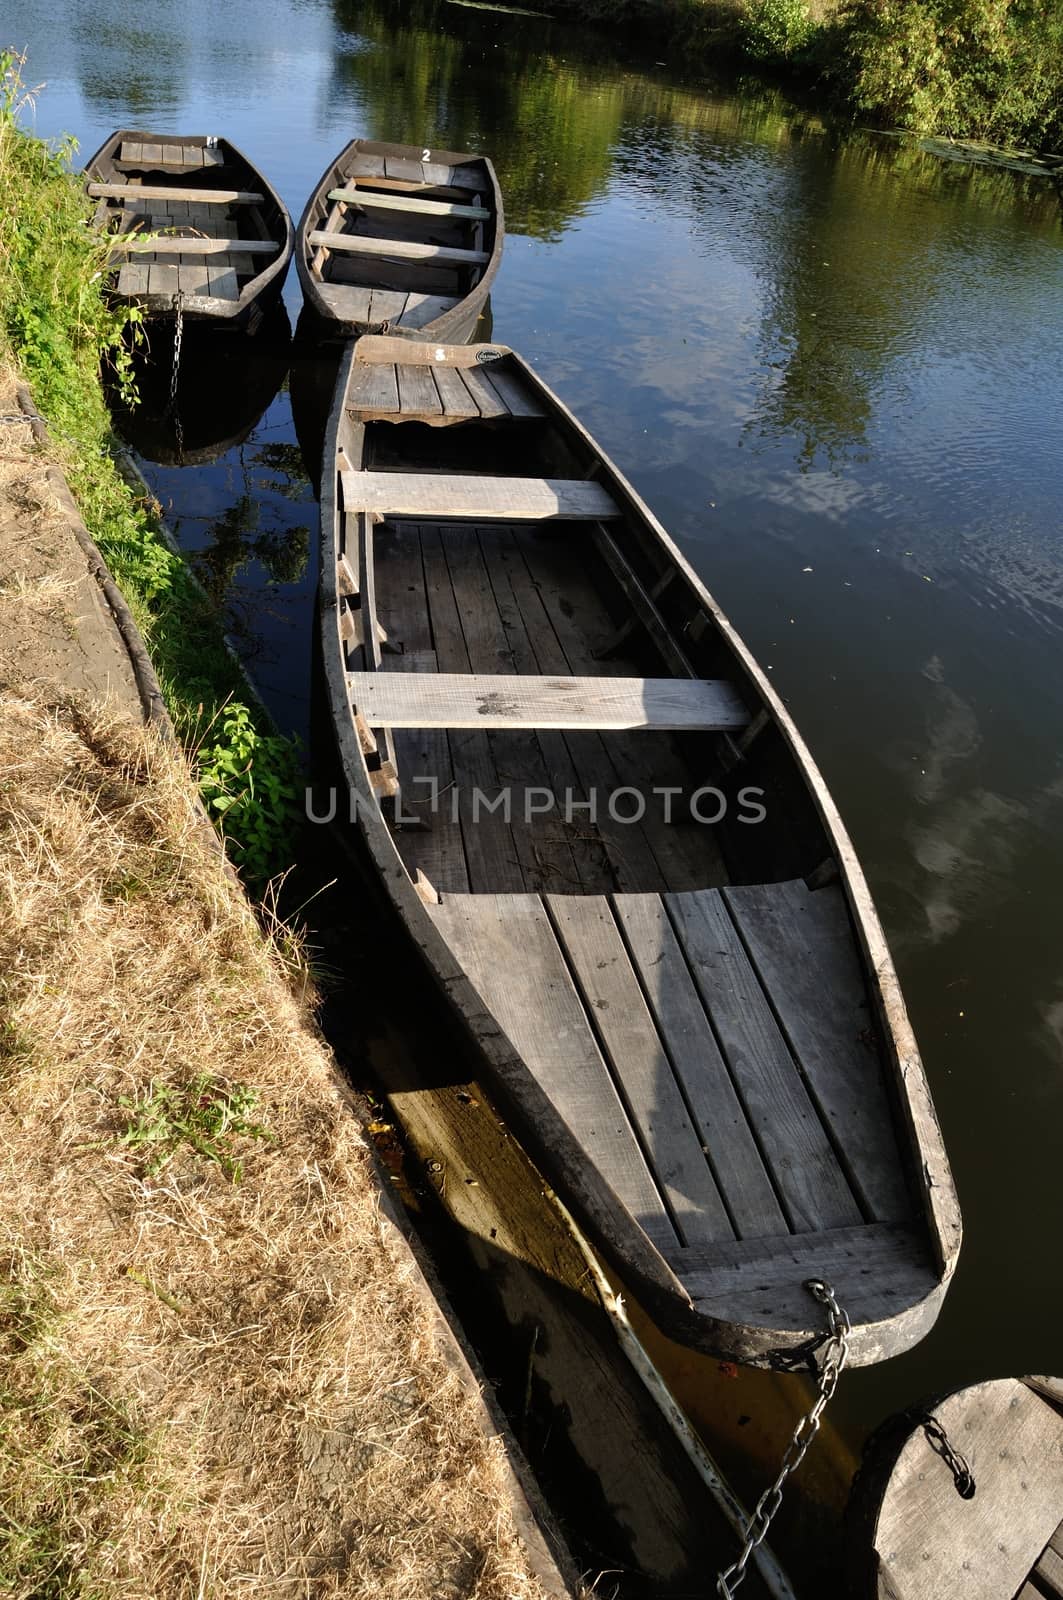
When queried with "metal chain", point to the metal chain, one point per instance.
{"points": [[835, 1356], [942, 1445], [175, 371]]}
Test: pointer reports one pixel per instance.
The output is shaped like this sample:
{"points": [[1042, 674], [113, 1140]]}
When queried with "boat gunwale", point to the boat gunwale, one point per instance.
{"points": [[209, 308], [541, 1127]]}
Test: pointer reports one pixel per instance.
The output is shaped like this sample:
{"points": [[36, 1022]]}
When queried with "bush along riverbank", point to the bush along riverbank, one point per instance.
{"points": [[56, 331], [987, 70]]}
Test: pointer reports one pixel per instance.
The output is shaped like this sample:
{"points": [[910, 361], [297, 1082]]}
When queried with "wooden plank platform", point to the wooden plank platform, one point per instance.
{"points": [[151, 191], [412, 494], [193, 246], [504, 700]]}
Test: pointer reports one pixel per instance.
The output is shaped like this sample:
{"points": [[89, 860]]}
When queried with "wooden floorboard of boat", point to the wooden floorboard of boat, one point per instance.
{"points": [[801, 1159], [802, 947], [614, 1003], [508, 948], [721, 1123]]}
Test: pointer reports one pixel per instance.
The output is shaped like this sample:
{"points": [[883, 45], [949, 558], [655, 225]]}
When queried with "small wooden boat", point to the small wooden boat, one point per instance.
{"points": [[964, 1497], [624, 868], [401, 240], [229, 237]]}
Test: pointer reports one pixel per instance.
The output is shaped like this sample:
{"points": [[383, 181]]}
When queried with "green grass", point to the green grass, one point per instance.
{"points": [[205, 1115], [57, 329]]}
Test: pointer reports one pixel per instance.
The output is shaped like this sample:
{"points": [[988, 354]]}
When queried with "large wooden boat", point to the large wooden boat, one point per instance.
{"points": [[401, 240], [964, 1497], [691, 1019], [228, 238]]}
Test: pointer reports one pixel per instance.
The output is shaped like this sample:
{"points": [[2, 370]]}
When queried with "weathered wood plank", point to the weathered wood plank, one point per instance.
{"points": [[191, 246], [193, 278], [133, 152], [403, 167], [172, 155], [162, 277], [417, 391], [361, 244], [152, 154], [1049, 1571], [645, 608], [193, 155], [718, 1116], [490, 849], [511, 391], [424, 754], [133, 279], [438, 494], [508, 948], [422, 309], [487, 397], [378, 200], [467, 176], [153, 191], [802, 1163], [366, 165], [505, 700], [371, 389], [803, 949], [640, 1065], [936, 1543], [212, 158], [386, 305], [223, 281], [455, 396], [357, 303]]}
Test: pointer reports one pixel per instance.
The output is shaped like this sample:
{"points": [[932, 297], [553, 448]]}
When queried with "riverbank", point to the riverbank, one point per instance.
{"points": [[988, 70]]}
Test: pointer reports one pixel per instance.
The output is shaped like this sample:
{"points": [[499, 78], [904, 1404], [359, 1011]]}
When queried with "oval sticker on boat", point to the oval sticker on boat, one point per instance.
{"points": [[484, 356]]}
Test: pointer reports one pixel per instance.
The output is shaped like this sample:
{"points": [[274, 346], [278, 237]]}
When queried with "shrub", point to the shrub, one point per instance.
{"points": [[775, 30]]}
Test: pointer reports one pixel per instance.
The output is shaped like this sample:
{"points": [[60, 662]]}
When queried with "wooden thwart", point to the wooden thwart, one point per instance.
{"points": [[192, 246], [370, 201], [410, 494], [150, 191], [400, 249], [504, 700]]}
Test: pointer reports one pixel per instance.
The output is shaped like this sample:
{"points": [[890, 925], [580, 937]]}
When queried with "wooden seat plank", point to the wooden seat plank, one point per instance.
{"points": [[640, 1066], [487, 397], [133, 152], [467, 176], [163, 277], [511, 391], [160, 191], [222, 279], [133, 279], [172, 155], [506, 700], [437, 172], [386, 305], [424, 308], [418, 395], [403, 167], [192, 154], [194, 246], [380, 200], [456, 398], [803, 1165], [1049, 1572], [510, 952], [361, 244], [935, 1543], [212, 157], [422, 494], [152, 154], [357, 301], [802, 946], [193, 278], [373, 388], [366, 165], [718, 1116]]}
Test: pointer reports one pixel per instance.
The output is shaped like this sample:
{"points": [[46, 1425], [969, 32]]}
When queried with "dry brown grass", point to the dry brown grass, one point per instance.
{"points": [[211, 1389]]}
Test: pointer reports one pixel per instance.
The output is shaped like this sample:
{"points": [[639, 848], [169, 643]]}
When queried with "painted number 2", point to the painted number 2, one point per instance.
{"points": [[426, 155]]}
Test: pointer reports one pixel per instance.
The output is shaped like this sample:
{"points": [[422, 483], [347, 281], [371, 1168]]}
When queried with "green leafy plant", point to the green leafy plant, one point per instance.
{"points": [[205, 1114], [249, 781], [774, 30]]}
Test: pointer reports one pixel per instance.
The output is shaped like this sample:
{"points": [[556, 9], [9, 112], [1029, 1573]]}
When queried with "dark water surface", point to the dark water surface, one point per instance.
{"points": [[833, 366]]}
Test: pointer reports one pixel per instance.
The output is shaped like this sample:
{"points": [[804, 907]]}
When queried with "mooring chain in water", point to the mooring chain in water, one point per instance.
{"points": [[942, 1445], [835, 1356], [175, 371]]}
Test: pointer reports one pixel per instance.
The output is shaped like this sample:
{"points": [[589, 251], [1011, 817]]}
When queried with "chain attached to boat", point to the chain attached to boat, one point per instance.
{"points": [[942, 1445], [835, 1356], [175, 371]]}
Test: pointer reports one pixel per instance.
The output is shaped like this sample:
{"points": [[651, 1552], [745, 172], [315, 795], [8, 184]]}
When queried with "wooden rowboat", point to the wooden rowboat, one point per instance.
{"points": [[691, 1019], [401, 240], [228, 236], [964, 1497]]}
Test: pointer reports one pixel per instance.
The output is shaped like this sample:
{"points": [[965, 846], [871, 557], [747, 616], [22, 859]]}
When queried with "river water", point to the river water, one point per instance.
{"points": [[832, 365]]}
